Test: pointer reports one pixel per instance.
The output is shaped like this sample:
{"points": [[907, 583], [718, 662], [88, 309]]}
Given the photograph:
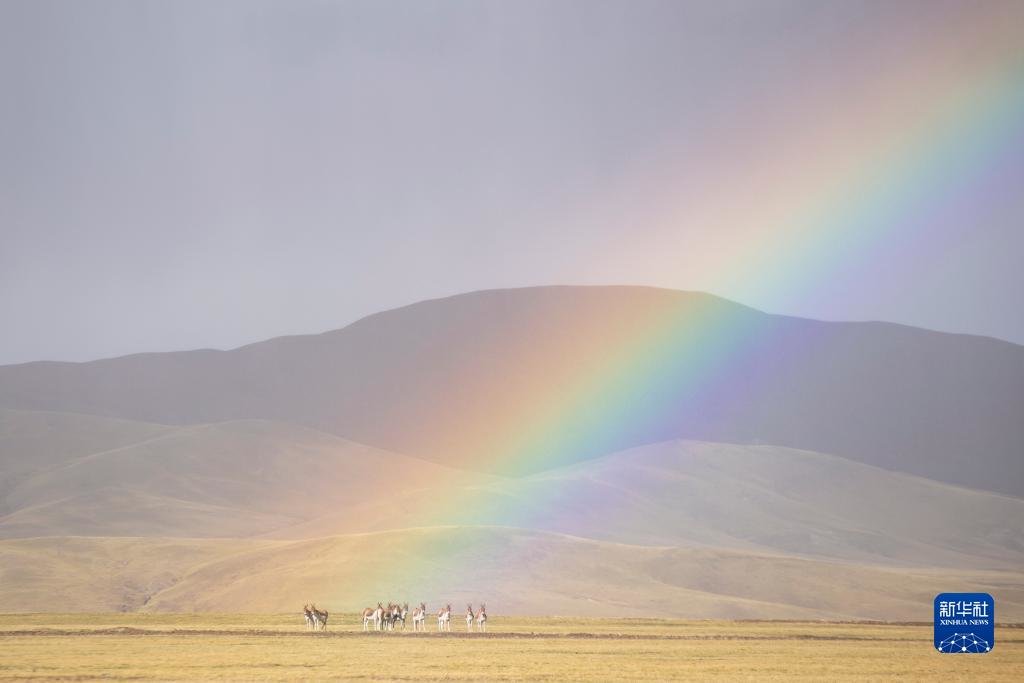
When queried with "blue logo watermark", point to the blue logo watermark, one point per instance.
{"points": [[965, 623]]}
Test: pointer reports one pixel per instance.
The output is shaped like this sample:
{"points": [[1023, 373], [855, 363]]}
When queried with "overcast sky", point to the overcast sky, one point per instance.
{"points": [[179, 175]]}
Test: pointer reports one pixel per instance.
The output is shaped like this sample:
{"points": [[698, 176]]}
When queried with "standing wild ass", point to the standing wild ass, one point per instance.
{"points": [[419, 617], [403, 613], [444, 619], [374, 615], [481, 618], [308, 613], [319, 618]]}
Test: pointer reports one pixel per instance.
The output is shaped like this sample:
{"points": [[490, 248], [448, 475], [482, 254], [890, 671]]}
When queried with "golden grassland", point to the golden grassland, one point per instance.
{"points": [[277, 647]]}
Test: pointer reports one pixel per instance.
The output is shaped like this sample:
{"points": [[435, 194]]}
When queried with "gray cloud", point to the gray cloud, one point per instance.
{"points": [[192, 174]]}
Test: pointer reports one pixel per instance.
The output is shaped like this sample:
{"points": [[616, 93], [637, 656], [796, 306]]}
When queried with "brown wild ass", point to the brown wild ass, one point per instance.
{"points": [[319, 618], [444, 619], [373, 615], [481, 618], [403, 613], [419, 617], [308, 613]]}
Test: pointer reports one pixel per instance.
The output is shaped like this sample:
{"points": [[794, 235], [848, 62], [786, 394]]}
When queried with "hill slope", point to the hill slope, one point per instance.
{"points": [[553, 574], [675, 529], [254, 478], [457, 380], [755, 498], [234, 479], [31, 441]]}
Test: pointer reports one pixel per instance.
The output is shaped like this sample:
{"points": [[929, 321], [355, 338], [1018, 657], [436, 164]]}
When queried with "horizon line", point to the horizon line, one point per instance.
{"points": [[486, 290]]}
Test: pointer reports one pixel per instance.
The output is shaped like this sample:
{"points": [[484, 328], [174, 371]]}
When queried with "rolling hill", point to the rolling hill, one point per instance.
{"points": [[563, 450], [31, 440], [255, 478], [428, 380], [753, 498], [553, 574], [235, 479]]}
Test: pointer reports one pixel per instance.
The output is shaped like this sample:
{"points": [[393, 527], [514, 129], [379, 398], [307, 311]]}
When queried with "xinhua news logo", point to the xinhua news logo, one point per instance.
{"points": [[965, 623]]}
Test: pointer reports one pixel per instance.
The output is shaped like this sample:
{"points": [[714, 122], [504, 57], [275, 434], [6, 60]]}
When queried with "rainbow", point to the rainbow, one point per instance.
{"points": [[884, 193], [829, 205]]}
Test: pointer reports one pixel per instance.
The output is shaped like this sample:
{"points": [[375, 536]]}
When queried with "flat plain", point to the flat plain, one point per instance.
{"points": [[278, 647]]}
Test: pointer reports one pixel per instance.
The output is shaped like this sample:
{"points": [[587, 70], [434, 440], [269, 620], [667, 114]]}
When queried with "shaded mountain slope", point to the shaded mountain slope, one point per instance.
{"points": [[458, 380], [252, 478], [238, 478], [31, 441], [755, 498]]}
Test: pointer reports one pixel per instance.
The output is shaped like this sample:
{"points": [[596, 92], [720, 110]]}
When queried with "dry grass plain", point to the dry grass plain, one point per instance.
{"points": [[277, 647]]}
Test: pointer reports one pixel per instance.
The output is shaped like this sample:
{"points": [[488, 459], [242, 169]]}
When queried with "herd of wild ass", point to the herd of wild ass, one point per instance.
{"points": [[388, 618], [315, 619]]}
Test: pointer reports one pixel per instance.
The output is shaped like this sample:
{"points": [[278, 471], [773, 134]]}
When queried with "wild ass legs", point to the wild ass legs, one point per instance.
{"points": [[481, 618]]}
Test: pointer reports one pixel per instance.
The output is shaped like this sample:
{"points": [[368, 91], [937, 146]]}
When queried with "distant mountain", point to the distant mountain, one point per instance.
{"points": [[458, 381], [562, 450]]}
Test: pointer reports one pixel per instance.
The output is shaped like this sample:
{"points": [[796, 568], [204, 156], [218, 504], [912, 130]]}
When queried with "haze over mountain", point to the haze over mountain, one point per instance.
{"points": [[256, 478], [422, 379], [241, 478], [792, 469]]}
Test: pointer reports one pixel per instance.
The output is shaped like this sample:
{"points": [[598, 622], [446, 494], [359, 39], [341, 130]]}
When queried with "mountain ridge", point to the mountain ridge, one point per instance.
{"points": [[228, 349], [564, 450], [428, 379]]}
